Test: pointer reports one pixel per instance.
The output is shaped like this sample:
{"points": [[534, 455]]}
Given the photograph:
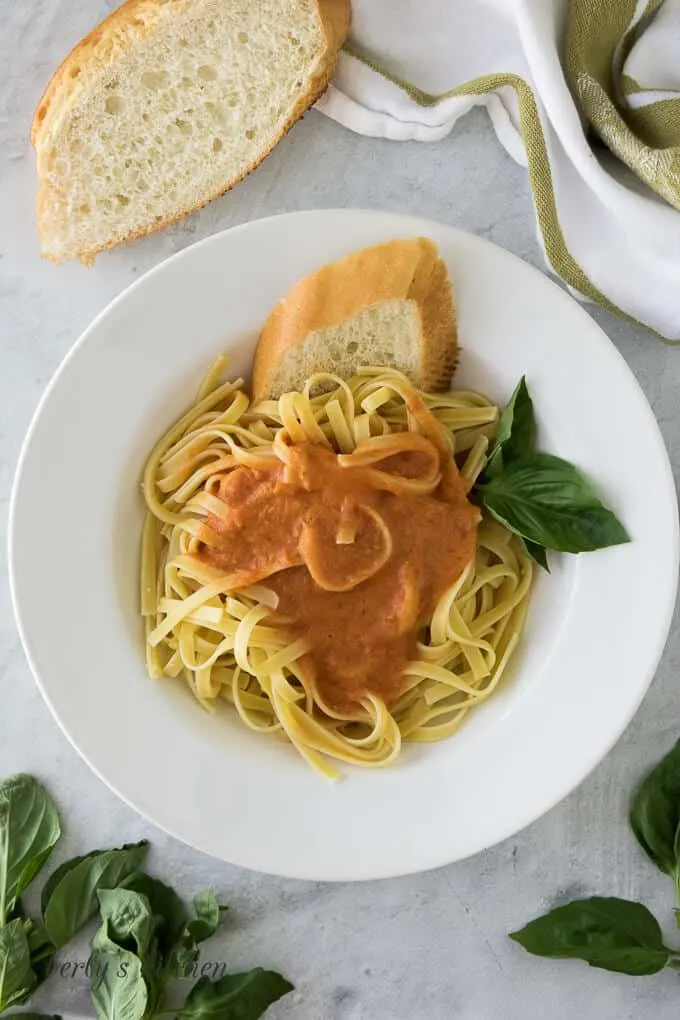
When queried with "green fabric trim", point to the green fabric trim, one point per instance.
{"points": [[632, 87], [628, 85], [657, 124], [540, 174], [646, 140], [594, 31], [657, 167]]}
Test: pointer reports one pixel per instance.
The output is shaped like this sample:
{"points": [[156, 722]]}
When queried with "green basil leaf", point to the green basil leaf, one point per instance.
{"points": [[537, 553], [205, 924], [129, 919], [118, 989], [655, 813], [182, 959], [166, 904], [72, 900], [516, 432], [17, 979], [38, 942], [548, 502], [41, 949], [606, 932], [55, 878], [29, 829], [207, 918], [235, 996], [33, 1016]]}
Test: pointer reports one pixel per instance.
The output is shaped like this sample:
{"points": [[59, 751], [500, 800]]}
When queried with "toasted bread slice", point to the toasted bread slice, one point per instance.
{"points": [[387, 305], [169, 103]]}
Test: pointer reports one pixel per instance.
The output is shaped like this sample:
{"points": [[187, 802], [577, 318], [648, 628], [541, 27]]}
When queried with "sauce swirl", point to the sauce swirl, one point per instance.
{"points": [[358, 548]]}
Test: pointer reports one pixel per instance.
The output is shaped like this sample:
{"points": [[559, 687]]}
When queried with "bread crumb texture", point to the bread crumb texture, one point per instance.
{"points": [[165, 106], [382, 334]]}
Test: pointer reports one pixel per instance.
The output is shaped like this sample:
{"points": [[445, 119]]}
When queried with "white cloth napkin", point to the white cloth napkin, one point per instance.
{"points": [[608, 234]]}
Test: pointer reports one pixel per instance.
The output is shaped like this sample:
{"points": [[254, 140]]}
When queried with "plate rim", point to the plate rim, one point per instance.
{"points": [[529, 816]]}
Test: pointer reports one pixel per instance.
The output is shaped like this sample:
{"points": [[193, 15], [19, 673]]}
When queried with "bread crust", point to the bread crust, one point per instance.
{"points": [[403, 269], [130, 21]]}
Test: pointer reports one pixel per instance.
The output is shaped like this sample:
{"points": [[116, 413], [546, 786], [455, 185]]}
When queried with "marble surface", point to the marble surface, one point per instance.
{"points": [[430, 947]]}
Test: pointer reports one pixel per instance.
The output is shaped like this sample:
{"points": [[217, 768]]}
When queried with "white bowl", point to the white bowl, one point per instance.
{"points": [[596, 628]]}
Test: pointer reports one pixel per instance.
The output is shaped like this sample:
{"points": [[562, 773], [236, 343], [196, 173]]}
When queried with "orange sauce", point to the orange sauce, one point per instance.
{"points": [[357, 568]]}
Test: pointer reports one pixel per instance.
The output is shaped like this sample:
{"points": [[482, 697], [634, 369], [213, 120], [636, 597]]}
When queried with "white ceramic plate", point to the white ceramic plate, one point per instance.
{"points": [[596, 628]]}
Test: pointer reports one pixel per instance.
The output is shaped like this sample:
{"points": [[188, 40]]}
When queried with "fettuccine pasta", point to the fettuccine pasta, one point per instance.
{"points": [[232, 612]]}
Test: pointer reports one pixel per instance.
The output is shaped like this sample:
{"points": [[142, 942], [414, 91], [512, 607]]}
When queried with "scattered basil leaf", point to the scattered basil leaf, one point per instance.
{"points": [[235, 996], [515, 435], [55, 878], [537, 553], [182, 958], [119, 991], [33, 1016], [72, 899], [41, 949], [29, 829], [17, 979], [655, 815], [204, 924], [165, 904], [207, 919], [606, 932], [130, 922], [547, 501]]}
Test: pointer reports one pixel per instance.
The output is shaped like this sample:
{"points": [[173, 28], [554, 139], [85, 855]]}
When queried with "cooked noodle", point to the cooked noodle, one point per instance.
{"points": [[227, 641]]}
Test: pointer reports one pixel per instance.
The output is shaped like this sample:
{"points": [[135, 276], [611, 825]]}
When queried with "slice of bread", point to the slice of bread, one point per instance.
{"points": [[387, 305], [169, 103]]}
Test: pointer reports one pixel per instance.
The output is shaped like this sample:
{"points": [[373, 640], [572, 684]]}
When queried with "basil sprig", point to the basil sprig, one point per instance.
{"points": [[543, 499], [616, 934], [147, 936], [29, 831]]}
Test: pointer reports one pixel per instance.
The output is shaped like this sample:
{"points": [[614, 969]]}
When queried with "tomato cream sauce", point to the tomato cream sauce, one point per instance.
{"points": [[357, 556]]}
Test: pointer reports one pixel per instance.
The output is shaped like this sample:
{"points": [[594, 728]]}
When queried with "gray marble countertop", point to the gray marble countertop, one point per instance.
{"points": [[430, 947]]}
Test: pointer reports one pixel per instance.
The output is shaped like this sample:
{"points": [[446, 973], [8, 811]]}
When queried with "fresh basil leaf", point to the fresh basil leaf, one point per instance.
{"points": [[537, 553], [118, 989], [32, 1016], [17, 979], [515, 435], [235, 996], [72, 900], [41, 949], [29, 829], [606, 932], [165, 903], [55, 878], [182, 958], [655, 814], [129, 919], [207, 919], [548, 502], [201, 927], [38, 942]]}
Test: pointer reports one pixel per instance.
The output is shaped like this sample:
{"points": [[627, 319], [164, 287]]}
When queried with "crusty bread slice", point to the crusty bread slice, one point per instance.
{"points": [[387, 305], [167, 104]]}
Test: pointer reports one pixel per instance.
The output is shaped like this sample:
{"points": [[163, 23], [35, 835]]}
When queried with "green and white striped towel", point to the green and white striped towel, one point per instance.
{"points": [[585, 93]]}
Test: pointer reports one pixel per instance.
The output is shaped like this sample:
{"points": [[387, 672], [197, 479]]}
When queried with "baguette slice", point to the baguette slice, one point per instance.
{"points": [[387, 305], [169, 103]]}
